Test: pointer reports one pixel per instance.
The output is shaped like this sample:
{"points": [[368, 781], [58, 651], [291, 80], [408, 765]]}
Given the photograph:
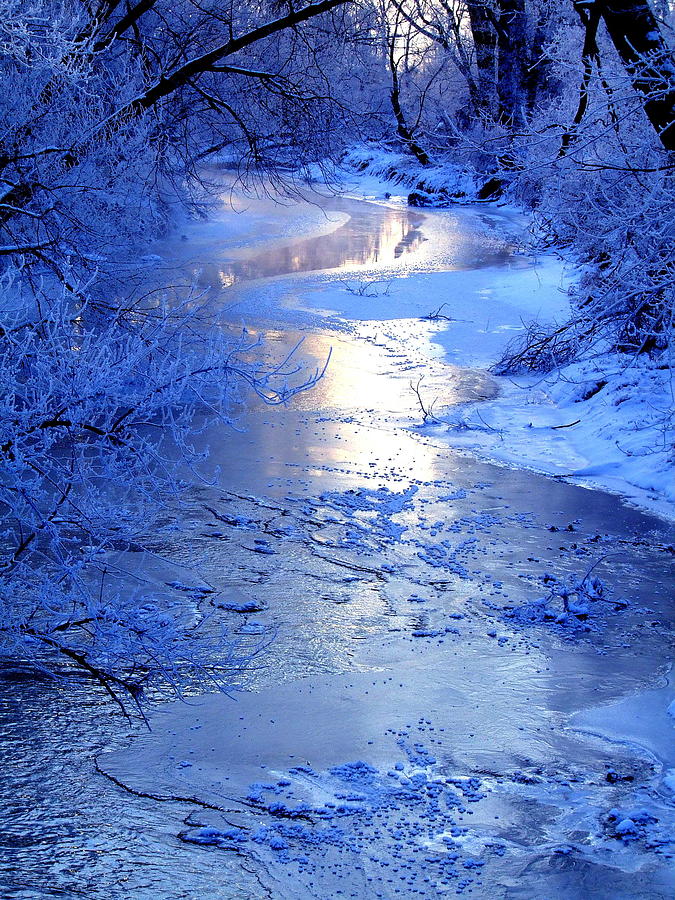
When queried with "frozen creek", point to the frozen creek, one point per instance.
{"points": [[419, 726]]}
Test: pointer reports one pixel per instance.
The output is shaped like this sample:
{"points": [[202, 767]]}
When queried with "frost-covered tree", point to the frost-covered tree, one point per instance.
{"points": [[640, 42], [570, 109], [118, 95], [602, 185], [105, 109], [97, 420]]}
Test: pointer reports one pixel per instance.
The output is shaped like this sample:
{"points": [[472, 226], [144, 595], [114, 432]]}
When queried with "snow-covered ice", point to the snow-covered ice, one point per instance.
{"points": [[601, 422]]}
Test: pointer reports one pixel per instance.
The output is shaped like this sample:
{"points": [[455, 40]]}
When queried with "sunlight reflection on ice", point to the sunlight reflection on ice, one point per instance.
{"points": [[374, 236]]}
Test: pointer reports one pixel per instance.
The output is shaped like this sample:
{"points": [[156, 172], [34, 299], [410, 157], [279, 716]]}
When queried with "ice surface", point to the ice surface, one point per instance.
{"points": [[427, 749]]}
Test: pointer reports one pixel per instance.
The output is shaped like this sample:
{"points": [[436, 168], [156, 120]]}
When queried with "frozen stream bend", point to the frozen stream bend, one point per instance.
{"points": [[420, 725]]}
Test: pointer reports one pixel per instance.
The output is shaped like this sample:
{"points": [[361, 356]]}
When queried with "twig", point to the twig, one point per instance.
{"points": [[427, 411], [568, 425], [436, 314]]}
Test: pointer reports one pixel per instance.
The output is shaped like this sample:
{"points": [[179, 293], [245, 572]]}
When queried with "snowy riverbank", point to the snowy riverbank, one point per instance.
{"points": [[601, 422]]}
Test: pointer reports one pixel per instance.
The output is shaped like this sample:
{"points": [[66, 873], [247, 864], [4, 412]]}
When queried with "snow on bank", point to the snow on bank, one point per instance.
{"points": [[594, 422], [601, 422], [384, 167]]}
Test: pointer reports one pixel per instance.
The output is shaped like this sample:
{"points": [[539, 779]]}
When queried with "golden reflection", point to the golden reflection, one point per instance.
{"points": [[226, 279], [380, 236], [362, 402]]}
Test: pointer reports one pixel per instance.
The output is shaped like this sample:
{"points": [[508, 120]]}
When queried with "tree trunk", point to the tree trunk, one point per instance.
{"points": [[394, 59], [590, 19], [512, 61], [402, 127], [639, 41], [481, 20], [539, 83]]}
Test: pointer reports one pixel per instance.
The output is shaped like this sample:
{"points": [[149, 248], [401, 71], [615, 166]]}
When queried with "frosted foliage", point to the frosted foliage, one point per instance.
{"points": [[568, 110], [110, 116], [82, 472], [97, 416], [105, 118]]}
